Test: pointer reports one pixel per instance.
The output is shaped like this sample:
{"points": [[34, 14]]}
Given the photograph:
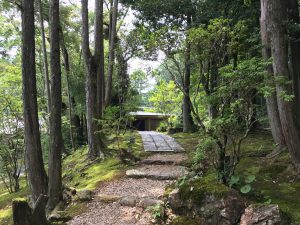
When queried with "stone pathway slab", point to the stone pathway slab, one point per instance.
{"points": [[157, 172], [164, 159], [157, 142]]}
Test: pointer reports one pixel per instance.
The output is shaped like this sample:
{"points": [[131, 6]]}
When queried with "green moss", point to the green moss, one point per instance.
{"points": [[169, 189], [6, 216], [75, 209], [6, 200], [197, 190], [20, 200], [89, 178], [186, 221], [76, 176], [273, 180]]}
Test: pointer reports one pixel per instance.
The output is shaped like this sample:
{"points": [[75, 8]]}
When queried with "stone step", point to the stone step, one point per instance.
{"points": [[164, 159], [157, 172], [130, 201], [107, 198]]}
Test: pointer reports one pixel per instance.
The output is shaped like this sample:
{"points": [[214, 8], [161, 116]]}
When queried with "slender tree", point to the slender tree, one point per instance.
{"points": [[56, 141], [66, 60], [99, 57], [277, 26], [94, 67], [272, 106], [37, 177], [112, 44], [45, 57], [294, 36], [188, 123]]}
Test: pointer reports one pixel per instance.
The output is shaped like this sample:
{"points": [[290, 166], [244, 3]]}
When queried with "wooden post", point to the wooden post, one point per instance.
{"points": [[24, 215]]}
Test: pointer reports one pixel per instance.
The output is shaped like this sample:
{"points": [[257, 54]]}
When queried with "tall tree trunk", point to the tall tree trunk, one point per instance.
{"points": [[99, 57], [272, 106], [122, 73], [68, 71], [213, 83], [277, 26], [111, 59], [45, 57], [56, 142], [188, 123], [33, 151], [293, 16], [92, 67]]}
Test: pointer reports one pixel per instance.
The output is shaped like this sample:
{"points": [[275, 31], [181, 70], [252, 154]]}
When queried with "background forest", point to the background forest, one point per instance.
{"points": [[226, 74]]}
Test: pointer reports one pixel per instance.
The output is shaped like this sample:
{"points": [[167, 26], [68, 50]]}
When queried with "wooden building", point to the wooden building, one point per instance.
{"points": [[148, 121]]}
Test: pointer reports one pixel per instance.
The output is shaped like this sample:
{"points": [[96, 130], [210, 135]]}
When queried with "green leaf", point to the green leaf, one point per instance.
{"points": [[234, 180], [249, 179], [269, 201], [246, 189]]}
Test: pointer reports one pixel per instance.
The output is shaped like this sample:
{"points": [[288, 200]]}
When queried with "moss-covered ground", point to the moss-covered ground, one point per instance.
{"points": [[275, 180], [79, 173]]}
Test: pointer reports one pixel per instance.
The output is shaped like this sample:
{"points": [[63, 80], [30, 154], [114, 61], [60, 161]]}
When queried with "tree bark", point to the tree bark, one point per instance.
{"points": [[92, 67], [277, 27], [24, 215], [122, 74], [37, 177], [111, 59], [45, 58], [272, 106], [68, 71], [56, 141], [213, 83], [99, 57], [188, 124], [294, 35]]}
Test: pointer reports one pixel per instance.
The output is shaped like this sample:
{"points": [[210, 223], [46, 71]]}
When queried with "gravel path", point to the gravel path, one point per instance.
{"points": [[134, 187], [100, 213], [112, 213]]}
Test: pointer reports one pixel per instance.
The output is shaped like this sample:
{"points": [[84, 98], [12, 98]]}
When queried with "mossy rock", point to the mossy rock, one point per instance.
{"points": [[197, 190], [182, 220], [205, 198]]}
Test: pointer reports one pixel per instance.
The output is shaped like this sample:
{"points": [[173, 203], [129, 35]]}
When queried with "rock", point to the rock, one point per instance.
{"points": [[263, 215], [211, 201], [54, 217], [108, 198], [129, 201], [56, 214], [85, 195], [148, 202], [174, 200], [135, 173], [161, 172], [127, 157], [68, 194]]}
